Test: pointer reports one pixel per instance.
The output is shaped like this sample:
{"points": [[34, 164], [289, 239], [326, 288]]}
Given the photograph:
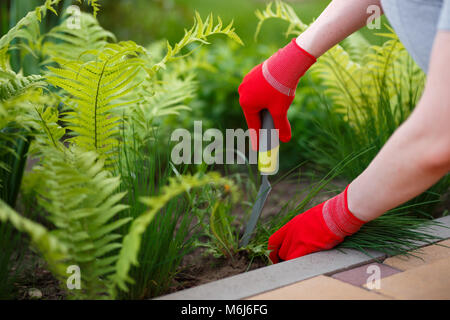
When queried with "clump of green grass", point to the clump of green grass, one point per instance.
{"points": [[166, 241], [397, 232]]}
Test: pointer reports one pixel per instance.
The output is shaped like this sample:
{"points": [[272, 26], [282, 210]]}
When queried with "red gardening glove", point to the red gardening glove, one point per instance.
{"points": [[319, 228], [271, 85]]}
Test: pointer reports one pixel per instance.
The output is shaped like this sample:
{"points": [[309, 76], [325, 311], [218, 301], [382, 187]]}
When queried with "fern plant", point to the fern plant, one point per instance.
{"points": [[95, 87], [85, 207], [80, 197], [64, 41], [168, 98], [99, 92], [199, 33]]}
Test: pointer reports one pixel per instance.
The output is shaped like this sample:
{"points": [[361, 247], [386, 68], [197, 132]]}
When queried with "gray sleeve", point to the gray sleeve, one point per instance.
{"points": [[444, 20]]}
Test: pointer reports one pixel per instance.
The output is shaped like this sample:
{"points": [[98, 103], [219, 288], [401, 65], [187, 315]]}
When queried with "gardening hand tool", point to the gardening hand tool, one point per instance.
{"points": [[267, 165]]}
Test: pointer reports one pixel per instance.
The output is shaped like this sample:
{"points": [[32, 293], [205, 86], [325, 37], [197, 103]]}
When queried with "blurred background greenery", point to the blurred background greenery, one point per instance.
{"points": [[217, 101], [225, 63], [148, 20]]}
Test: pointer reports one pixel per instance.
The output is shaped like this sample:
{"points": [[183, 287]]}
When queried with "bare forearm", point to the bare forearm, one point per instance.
{"points": [[340, 19], [418, 153]]}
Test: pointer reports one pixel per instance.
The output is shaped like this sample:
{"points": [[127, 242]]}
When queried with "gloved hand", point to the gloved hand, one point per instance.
{"points": [[271, 85], [319, 228]]}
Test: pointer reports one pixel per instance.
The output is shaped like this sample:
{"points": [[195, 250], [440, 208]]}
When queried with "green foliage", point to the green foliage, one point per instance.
{"points": [[83, 206], [69, 42], [95, 88], [132, 241], [94, 4], [396, 232], [16, 93], [225, 237], [13, 85], [283, 12], [106, 87], [156, 101], [168, 238], [52, 249], [199, 33]]}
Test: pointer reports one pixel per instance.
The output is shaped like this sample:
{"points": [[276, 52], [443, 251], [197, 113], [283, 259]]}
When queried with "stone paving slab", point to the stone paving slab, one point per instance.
{"points": [[320, 288], [422, 256], [358, 276], [441, 232], [430, 281], [275, 276]]}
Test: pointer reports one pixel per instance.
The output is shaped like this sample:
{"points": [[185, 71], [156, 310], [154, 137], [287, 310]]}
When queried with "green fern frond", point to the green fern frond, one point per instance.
{"points": [[282, 11], [131, 243], [32, 18], [199, 33], [71, 43], [94, 4], [158, 100], [98, 87], [20, 94], [83, 204], [13, 85], [47, 130]]}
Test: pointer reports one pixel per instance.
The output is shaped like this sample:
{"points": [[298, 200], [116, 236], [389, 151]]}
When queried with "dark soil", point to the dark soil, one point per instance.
{"points": [[35, 278], [199, 269]]}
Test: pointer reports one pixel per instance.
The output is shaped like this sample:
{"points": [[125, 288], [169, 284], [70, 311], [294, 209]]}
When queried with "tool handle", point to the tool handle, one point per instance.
{"points": [[269, 144]]}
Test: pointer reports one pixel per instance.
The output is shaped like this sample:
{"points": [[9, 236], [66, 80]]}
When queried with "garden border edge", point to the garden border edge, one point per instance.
{"points": [[275, 276]]}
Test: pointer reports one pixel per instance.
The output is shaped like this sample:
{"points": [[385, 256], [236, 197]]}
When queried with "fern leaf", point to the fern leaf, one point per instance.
{"points": [[199, 33], [282, 11], [80, 196], [96, 86], [94, 4], [71, 43], [168, 99], [16, 84]]}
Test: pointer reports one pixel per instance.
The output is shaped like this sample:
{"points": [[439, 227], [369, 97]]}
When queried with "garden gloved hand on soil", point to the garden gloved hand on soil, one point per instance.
{"points": [[319, 228], [271, 85]]}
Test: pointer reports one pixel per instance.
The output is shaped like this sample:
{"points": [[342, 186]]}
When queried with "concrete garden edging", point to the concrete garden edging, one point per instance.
{"points": [[282, 274]]}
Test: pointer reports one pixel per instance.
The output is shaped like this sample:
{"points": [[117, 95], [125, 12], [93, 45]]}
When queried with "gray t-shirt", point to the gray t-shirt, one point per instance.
{"points": [[416, 23]]}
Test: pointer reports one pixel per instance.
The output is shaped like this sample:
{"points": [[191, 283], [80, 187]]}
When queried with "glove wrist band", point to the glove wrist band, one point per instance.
{"points": [[284, 69], [338, 217]]}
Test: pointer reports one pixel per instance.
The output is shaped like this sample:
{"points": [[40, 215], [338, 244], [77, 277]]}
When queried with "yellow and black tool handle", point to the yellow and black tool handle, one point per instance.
{"points": [[269, 146]]}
